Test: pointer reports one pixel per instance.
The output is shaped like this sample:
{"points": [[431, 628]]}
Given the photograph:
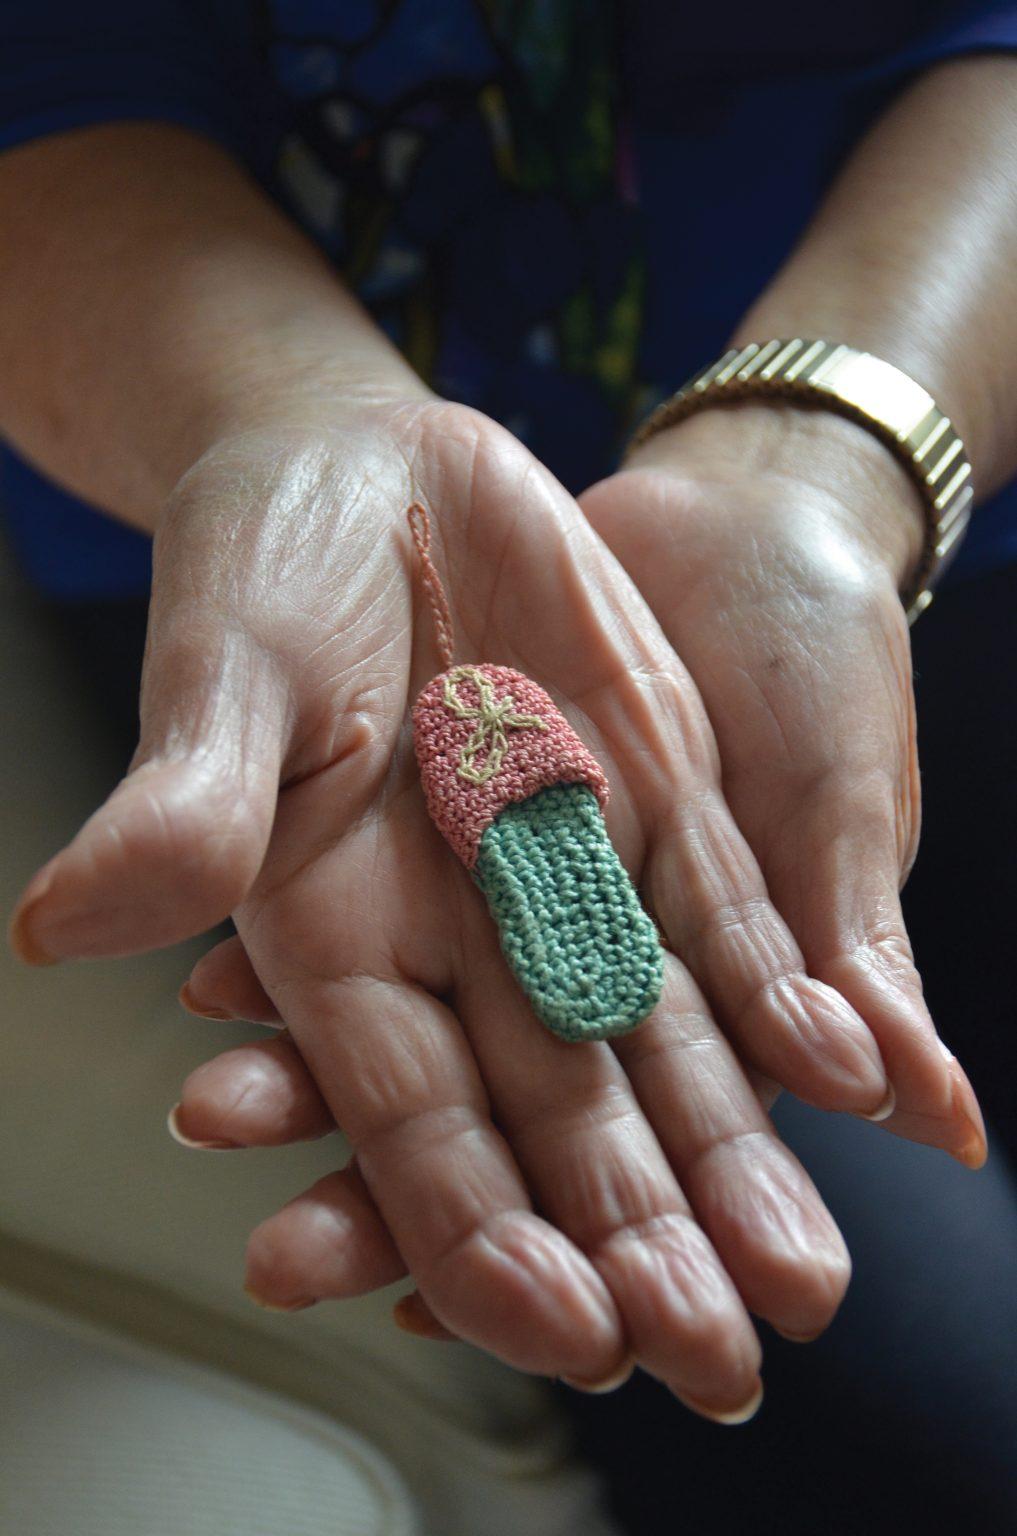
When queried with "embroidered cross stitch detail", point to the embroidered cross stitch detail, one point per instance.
{"points": [[495, 718], [536, 758]]}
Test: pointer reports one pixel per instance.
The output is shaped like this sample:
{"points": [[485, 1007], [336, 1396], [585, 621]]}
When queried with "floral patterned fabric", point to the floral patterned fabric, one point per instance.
{"points": [[558, 209]]}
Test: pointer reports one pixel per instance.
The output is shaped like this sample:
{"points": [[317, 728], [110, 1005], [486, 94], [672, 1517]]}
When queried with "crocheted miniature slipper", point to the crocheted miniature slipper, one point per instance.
{"points": [[519, 798]]}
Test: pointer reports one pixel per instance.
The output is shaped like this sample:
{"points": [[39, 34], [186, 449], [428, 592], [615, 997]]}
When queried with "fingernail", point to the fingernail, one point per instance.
{"points": [[974, 1150], [886, 1108], [412, 1314], [203, 1010], [24, 945], [799, 1338], [173, 1126], [735, 1416], [973, 1154], [300, 1305], [854, 1057], [609, 1383]]}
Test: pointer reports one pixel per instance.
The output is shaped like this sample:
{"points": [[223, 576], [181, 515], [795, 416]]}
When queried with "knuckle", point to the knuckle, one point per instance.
{"points": [[740, 1144], [694, 1326], [385, 1130], [804, 1290], [565, 1119], [655, 1050]]}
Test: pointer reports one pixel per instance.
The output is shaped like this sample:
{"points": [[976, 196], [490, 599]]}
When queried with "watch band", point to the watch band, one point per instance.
{"points": [[866, 389]]}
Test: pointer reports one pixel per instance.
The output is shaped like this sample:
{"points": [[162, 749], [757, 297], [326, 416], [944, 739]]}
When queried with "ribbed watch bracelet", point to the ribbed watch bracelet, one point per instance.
{"points": [[874, 393]]}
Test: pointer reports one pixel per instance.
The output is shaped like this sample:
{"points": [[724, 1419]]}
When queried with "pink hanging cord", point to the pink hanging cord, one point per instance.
{"points": [[420, 528]]}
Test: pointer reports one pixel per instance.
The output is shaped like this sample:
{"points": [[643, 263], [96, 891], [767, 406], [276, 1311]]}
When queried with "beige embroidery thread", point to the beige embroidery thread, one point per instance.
{"points": [[495, 718]]}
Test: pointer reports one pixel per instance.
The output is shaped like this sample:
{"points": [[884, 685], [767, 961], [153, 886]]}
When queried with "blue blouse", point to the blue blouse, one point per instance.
{"points": [[557, 209]]}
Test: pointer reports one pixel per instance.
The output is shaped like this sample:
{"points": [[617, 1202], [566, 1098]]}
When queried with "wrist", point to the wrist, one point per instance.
{"points": [[868, 496], [872, 313], [310, 396], [323, 406]]}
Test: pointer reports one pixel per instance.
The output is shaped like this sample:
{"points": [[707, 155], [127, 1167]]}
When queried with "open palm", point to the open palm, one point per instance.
{"points": [[762, 542], [563, 1206]]}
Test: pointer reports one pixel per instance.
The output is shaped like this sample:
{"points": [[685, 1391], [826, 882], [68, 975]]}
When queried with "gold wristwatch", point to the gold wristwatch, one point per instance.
{"points": [[867, 390]]}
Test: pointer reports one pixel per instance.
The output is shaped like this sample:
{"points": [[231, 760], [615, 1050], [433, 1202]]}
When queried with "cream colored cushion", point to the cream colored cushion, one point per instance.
{"points": [[100, 1440]]}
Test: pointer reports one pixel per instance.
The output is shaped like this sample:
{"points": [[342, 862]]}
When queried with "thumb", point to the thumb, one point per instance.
{"points": [[180, 840]]}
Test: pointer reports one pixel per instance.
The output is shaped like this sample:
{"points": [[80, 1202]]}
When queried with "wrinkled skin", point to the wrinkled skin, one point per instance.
{"points": [[570, 1209], [769, 563]]}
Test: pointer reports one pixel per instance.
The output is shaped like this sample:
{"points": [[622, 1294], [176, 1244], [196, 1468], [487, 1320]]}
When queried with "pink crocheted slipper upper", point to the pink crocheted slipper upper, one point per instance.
{"points": [[486, 737]]}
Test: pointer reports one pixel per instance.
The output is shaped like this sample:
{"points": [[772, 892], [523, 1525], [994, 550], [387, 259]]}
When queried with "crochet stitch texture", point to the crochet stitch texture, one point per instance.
{"points": [[570, 921], [519, 798], [534, 757]]}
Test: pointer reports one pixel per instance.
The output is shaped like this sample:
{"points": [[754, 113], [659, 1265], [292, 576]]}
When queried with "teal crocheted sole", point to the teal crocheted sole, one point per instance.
{"points": [[571, 924]]}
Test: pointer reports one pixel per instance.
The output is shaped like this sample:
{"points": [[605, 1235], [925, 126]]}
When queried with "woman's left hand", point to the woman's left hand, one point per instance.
{"points": [[770, 543]]}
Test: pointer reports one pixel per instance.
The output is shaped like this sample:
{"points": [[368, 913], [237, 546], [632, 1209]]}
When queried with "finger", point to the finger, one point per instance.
{"points": [[331, 1241], [413, 1315], [751, 1195], [179, 841], [837, 876], [225, 985], [708, 892], [787, 1226], [258, 1095], [401, 1080], [598, 1172]]}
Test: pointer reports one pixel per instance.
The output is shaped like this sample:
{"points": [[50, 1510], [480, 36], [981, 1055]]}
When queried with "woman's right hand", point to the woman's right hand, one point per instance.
{"points": [[564, 1207]]}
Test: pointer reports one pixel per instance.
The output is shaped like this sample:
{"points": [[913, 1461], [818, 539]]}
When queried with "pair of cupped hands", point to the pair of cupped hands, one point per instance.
{"points": [[720, 623]]}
